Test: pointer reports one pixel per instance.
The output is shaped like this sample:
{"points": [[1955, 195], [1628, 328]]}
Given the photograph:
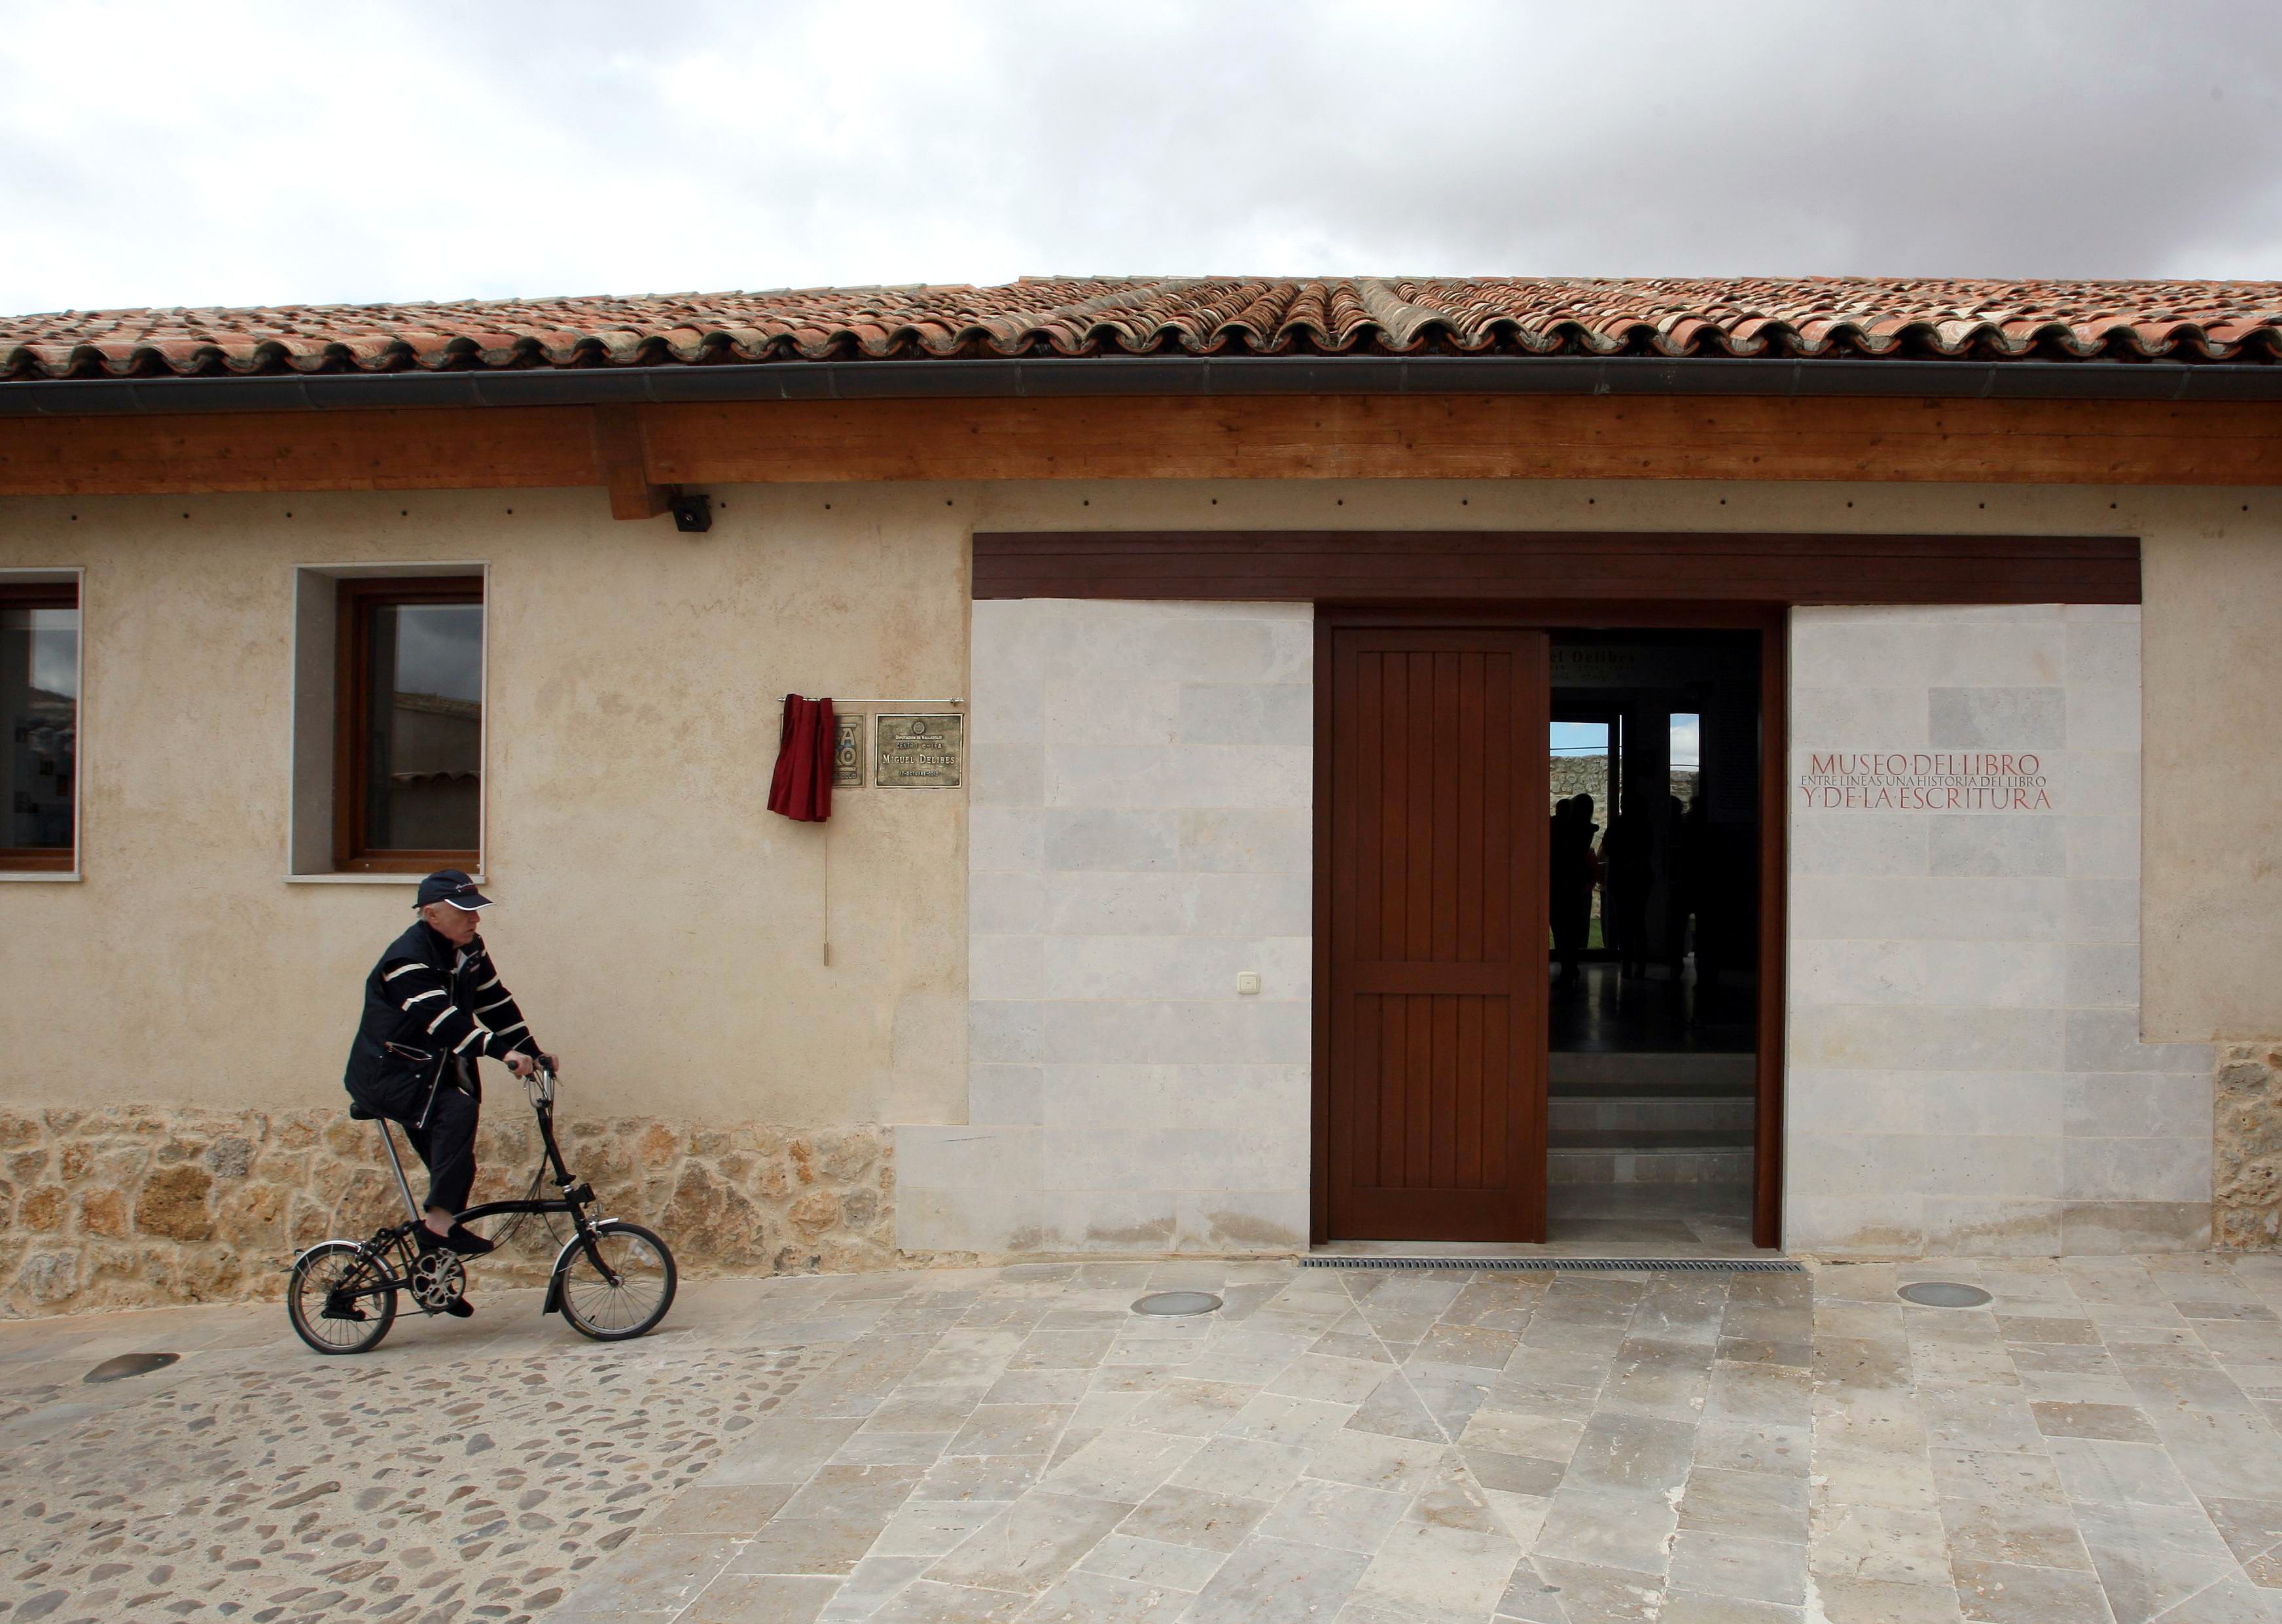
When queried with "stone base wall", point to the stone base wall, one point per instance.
{"points": [[132, 1207], [1588, 775], [2246, 1149]]}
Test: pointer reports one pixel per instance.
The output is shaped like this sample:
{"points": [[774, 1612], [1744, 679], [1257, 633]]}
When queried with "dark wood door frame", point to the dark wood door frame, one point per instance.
{"points": [[1464, 567], [1772, 621]]}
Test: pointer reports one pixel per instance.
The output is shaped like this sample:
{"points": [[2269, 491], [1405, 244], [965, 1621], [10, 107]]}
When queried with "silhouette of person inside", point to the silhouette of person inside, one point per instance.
{"points": [[1627, 875], [1572, 880], [1679, 882]]}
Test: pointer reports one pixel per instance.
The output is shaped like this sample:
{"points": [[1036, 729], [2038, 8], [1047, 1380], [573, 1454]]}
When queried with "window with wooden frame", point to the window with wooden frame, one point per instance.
{"points": [[39, 727], [408, 724]]}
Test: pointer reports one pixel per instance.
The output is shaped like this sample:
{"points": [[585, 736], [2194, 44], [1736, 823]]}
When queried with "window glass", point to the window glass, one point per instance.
{"points": [[1686, 755], [422, 781], [1580, 762], [39, 708]]}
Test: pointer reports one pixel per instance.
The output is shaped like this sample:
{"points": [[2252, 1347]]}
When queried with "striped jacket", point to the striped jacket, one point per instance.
{"points": [[426, 1004]]}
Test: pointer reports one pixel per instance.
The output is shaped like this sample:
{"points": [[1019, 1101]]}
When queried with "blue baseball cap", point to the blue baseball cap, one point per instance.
{"points": [[450, 885]]}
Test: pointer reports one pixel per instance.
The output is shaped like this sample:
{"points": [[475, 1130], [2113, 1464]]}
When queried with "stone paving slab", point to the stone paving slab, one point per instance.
{"points": [[1333, 1447]]}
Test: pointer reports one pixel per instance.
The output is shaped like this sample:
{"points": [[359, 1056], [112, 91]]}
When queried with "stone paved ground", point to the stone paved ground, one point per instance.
{"points": [[1340, 1447]]}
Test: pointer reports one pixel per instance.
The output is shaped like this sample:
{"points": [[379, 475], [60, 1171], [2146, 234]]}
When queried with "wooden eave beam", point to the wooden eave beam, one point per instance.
{"points": [[619, 448], [635, 452]]}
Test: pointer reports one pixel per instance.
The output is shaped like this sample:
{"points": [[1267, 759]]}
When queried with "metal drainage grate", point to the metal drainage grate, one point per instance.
{"points": [[1176, 1302], [130, 1364], [1945, 1294], [1567, 1266]]}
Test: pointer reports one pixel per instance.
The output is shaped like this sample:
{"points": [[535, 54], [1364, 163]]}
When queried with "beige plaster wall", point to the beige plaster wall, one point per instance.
{"points": [[2211, 920], [665, 932]]}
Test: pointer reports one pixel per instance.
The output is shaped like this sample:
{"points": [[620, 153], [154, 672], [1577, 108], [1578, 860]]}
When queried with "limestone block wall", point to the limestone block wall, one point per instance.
{"points": [[1967, 1074], [134, 1206], [1140, 832]]}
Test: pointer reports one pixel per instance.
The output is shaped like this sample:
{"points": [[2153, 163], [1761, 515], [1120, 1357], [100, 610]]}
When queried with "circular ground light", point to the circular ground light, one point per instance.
{"points": [[1945, 1294], [130, 1364], [1177, 1303]]}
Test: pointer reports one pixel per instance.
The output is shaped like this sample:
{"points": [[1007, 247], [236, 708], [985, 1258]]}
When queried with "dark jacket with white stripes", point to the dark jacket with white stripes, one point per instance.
{"points": [[427, 1003]]}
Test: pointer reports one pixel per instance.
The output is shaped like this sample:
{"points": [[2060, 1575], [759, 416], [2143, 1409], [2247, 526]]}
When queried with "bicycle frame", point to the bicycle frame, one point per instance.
{"points": [[572, 1204]]}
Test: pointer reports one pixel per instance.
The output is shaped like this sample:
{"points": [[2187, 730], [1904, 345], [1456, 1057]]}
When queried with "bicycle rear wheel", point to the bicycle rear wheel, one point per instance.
{"points": [[644, 1266], [339, 1275]]}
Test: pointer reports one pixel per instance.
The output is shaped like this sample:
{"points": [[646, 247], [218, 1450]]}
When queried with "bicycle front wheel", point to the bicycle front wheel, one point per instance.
{"points": [[618, 1312], [332, 1302]]}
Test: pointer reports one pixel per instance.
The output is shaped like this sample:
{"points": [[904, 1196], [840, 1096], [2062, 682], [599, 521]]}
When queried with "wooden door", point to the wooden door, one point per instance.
{"points": [[1435, 1102]]}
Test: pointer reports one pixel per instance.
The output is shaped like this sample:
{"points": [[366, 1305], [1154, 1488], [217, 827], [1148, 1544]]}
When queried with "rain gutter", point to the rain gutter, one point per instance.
{"points": [[1082, 377]]}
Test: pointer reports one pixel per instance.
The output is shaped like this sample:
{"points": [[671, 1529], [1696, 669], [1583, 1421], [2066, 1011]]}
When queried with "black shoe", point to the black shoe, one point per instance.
{"points": [[465, 1241], [460, 1308]]}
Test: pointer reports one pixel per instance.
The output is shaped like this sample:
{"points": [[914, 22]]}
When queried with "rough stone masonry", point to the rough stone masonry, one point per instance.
{"points": [[132, 1206], [2246, 1149]]}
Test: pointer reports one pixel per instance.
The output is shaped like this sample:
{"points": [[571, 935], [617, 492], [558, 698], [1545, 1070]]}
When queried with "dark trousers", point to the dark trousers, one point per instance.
{"points": [[447, 1145], [1625, 917], [1572, 924]]}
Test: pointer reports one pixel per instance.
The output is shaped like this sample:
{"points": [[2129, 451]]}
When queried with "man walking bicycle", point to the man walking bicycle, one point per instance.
{"points": [[434, 1005]]}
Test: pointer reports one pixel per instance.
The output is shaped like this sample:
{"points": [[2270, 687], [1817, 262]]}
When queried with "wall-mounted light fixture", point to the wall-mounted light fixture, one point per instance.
{"points": [[693, 511]]}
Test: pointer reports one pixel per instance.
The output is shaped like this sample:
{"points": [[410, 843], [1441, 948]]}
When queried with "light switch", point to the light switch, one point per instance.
{"points": [[1247, 982]]}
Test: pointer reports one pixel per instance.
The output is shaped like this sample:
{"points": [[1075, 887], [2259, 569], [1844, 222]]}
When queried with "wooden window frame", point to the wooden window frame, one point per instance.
{"points": [[357, 597], [16, 594]]}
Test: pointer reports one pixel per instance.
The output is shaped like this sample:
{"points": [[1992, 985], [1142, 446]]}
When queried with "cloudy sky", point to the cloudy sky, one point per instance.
{"points": [[241, 152]]}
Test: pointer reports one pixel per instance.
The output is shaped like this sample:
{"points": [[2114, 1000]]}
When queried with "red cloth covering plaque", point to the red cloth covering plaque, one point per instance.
{"points": [[802, 788]]}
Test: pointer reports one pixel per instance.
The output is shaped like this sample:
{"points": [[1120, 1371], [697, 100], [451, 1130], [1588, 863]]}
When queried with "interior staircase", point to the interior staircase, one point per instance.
{"points": [[1679, 1120]]}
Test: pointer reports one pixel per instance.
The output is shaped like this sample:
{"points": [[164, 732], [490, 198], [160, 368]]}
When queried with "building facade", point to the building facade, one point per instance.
{"points": [[1189, 889]]}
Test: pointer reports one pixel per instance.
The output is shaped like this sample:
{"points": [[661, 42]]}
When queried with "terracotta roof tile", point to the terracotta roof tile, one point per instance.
{"points": [[1796, 317]]}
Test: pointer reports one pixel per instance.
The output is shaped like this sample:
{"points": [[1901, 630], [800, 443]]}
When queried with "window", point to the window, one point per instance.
{"points": [[39, 710], [1686, 755], [408, 724]]}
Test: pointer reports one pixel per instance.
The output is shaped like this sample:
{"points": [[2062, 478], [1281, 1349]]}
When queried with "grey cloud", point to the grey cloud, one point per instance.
{"points": [[541, 148]]}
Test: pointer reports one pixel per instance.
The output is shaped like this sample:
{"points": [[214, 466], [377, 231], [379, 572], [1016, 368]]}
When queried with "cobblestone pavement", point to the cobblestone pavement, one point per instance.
{"points": [[2096, 1447], [460, 1476]]}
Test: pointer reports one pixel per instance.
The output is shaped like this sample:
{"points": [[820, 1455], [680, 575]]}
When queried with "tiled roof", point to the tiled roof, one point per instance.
{"points": [[1795, 317]]}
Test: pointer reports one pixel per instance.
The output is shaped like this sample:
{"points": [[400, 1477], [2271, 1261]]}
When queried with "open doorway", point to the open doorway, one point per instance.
{"points": [[1534, 1023], [1653, 783]]}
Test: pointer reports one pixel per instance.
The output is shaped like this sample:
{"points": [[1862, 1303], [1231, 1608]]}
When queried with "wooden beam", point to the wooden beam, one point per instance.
{"points": [[1471, 438], [619, 448], [1409, 567], [503, 447], [634, 450]]}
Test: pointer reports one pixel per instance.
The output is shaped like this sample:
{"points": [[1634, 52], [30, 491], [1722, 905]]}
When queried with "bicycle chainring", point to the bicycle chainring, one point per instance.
{"points": [[437, 1280]]}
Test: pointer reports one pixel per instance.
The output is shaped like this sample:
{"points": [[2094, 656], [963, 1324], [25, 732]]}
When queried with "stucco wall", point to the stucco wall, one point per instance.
{"points": [[2212, 652], [663, 931]]}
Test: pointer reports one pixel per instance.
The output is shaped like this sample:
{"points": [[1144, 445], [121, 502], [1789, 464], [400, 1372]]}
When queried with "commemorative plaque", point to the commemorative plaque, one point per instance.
{"points": [[918, 753], [848, 752]]}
